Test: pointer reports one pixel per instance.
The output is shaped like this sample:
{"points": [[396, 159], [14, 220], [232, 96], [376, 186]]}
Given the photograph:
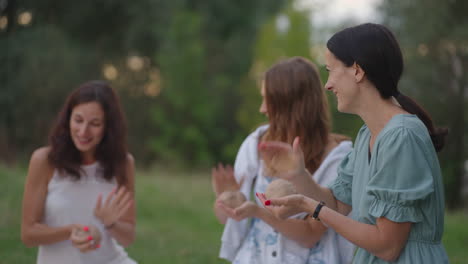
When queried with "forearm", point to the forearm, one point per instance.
{"points": [[298, 230], [366, 236], [307, 186], [123, 232], [40, 234]]}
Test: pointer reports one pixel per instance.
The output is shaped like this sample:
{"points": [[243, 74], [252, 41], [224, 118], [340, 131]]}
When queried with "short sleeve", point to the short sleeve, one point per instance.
{"points": [[342, 186], [402, 179]]}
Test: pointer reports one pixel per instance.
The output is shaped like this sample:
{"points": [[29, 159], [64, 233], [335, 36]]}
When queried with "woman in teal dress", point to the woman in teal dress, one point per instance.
{"points": [[391, 180]]}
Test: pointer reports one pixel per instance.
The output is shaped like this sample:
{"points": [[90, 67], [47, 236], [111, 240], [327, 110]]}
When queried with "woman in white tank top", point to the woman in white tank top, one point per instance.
{"points": [[83, 181]]}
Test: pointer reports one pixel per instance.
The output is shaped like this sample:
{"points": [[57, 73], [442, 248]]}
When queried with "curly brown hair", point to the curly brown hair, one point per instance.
{"points": [[111, 151]]}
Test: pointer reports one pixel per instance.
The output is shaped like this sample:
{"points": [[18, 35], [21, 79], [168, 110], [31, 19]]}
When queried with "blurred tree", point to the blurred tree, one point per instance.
{"points": [[176, 65], [206, 52], [434, 39], [48, 47]]}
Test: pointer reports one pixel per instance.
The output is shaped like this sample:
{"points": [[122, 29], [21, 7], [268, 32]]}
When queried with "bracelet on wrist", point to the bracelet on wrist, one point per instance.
{"points": [[315, 215]]}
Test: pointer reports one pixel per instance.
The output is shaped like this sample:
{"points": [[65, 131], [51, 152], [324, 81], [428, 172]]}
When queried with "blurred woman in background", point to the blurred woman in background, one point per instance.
{"points": [[83, 180]]}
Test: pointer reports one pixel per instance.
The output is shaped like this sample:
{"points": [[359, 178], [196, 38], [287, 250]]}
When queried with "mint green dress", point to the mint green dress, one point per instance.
{"points": [[401, 181]]}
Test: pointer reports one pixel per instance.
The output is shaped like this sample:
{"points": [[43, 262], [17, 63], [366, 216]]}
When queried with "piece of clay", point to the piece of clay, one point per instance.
{"points": [[279, 188]]}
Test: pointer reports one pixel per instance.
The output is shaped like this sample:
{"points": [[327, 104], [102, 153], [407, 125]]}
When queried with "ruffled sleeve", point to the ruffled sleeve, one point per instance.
{"points": [[402, 179], [342, 186]]}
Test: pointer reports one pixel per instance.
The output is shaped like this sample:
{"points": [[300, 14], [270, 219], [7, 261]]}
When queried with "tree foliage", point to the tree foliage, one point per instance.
{"points": [[176, 65]]}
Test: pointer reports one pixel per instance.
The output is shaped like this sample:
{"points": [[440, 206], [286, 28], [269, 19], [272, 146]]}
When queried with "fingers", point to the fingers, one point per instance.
{"points": [[78, 236], [276, 201], [120, 195], [82, 238], [261, 197], [88, 246], [110, 197], [273, 146], [218, 173], [119, 199], [227, 210], [116, 204], [223, 179], [221, 170], [296, 145], [230, 172], [124, 207], [245, 210], [217, 179], [226, 173]]}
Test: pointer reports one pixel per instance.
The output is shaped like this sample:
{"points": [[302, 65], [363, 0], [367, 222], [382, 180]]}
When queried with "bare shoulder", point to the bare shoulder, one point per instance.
{"points": [[40, 165], [41, 156]]}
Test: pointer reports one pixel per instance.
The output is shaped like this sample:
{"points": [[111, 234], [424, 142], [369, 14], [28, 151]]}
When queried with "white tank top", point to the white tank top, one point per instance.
{"points": [[72, 201]]}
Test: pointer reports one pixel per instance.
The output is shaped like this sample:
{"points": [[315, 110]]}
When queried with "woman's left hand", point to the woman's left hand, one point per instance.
{"points": [[116, 205], [246, 210], [287, 206], [82, 240]]}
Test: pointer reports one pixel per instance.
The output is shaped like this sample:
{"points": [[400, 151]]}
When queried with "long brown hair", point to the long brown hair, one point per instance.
{"points": [[111, 151], [297, 106]]}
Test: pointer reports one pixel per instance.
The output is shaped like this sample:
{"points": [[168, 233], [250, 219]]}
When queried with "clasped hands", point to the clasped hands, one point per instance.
{"points": [[222, 180], [283, 161], [116, 204]]}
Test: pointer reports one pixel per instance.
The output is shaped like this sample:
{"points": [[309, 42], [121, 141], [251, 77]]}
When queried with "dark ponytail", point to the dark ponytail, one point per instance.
{"points": [[437, 134], [375, 49]]}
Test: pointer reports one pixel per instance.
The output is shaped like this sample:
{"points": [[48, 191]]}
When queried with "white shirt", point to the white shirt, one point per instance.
{"points": [[72, 202], [257, 242]]}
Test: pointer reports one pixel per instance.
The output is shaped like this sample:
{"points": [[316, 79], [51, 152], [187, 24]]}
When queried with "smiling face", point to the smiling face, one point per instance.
{"points": [[87, 124], [342, 82]]}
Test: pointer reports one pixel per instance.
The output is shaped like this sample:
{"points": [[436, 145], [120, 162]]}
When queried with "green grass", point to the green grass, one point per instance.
{"points": [[175, 223], [455, 237]]}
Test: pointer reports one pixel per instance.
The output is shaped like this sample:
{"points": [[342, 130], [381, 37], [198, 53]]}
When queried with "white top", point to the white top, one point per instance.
{"points": [[72, 201], [257, 242]]}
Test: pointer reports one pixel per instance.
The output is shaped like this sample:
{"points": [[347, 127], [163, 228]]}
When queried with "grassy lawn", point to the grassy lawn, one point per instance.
{"points": [[175, 220]]}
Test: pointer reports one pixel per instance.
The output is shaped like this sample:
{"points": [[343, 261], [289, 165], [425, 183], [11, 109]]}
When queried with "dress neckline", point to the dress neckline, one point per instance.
{"points": [[88, 166]]}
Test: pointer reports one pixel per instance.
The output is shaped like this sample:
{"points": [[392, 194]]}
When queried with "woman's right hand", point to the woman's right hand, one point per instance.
{"points": [[83, 238], [284, 161], [287, 206], [222, 179]]}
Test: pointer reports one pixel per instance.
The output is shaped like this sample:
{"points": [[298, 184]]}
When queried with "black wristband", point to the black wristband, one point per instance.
{"points": [[317, 210]]}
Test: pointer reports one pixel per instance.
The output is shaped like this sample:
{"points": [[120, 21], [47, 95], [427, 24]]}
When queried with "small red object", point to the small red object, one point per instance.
{"points": [[86, 228], [267, 202], [90, 238]]}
